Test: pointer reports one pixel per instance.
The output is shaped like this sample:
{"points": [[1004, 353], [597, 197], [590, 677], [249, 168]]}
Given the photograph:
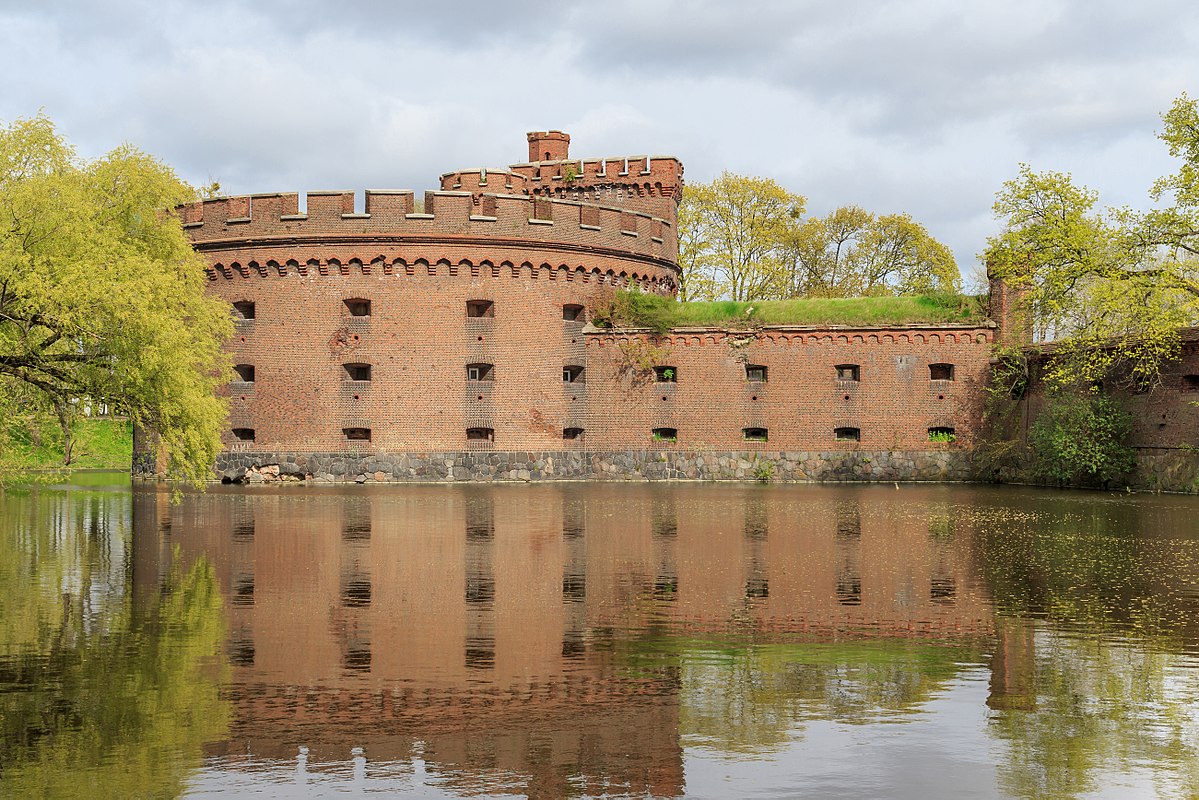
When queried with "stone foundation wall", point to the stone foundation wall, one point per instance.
{"points": [[637, 465]]}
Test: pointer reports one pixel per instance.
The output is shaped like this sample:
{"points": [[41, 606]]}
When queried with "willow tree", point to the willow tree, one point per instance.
{"points": [[101, 295]]}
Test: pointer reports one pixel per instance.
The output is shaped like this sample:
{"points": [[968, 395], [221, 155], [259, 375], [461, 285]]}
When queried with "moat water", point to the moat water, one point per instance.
{"points": [[581, 640]]}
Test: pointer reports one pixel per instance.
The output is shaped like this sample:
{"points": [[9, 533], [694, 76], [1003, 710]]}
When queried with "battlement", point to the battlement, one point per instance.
{"points": [[446, 215], [482, 179], [661, 175]]}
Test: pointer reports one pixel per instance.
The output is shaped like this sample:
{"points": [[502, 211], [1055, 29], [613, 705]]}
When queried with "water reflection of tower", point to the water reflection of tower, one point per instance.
{"points": [[757, 528], [356, 585], [664, 533], [479, 556], [241, 560], [849, 554], [574, 578]]}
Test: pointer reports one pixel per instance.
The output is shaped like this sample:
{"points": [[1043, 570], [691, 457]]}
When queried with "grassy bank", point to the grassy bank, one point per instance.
{"points": [[98, 444], [637, 310]]}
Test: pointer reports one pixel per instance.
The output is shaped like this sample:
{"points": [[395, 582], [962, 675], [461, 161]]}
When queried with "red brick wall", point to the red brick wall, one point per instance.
{"points": [[801, 403], [549, 233]]}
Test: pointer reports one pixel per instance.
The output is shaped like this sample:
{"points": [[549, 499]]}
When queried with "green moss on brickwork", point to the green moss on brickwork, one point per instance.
{"points": [[639, 310], [98, 444]]}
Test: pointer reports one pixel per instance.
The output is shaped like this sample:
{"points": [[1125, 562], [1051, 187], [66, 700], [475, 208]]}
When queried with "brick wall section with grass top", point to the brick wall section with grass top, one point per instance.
{"points": [[360, 327], [712, 401]]}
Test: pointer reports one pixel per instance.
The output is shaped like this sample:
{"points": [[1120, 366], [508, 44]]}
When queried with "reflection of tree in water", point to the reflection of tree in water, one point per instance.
{"points": [[1115, 569], [99, 697], [737, 698], [1098, 709], [1094, 687]]}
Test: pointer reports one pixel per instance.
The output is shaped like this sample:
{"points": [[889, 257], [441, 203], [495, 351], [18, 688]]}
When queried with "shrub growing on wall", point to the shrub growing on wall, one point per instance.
{"points": [[1081, 438]]}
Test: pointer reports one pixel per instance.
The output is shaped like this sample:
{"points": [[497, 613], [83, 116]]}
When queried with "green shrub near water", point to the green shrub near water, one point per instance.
{"points": [[1081, 438], [639, 310]]}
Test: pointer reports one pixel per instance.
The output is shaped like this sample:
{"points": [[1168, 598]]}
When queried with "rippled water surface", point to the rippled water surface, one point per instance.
{"points": [[598, 640]]}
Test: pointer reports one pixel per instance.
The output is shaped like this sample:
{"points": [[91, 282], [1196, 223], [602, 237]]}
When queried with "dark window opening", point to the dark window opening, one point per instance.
{"points": [[666, 375], [572, 312], [358, 372], [480, 434], [479, 652], [942, 590], [572, 374], [666, 434], [940, 372], [754, 434], [847, 434], [243, 309], [757, 587], [572, 433], [356, 530], [480, 589], [357, 434], [241, 653], [243, 591], [358, 307], [849, 589], [243, 434], [1190, 383], [245, 372], [358, 659], [942, 434], [356, 593], [573, 648], [755, 372], [480, 308], [480, 372], [666, 587], [574, 588], [848, 372]]}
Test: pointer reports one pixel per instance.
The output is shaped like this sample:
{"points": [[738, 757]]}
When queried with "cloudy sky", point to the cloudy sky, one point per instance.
{"points": [[923, 106]]}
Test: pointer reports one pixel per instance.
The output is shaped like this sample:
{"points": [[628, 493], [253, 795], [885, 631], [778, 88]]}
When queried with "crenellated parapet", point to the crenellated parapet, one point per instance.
{"points": [[463, 217], [482, 180], [647, 183]]}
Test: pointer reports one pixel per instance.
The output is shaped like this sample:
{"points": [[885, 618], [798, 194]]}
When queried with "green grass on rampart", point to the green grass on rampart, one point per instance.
{"points": [[638, 310], [98, 444]]}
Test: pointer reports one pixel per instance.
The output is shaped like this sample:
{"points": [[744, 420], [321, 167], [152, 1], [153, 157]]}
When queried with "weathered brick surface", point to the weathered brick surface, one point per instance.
{"points": [[531, 239], [893, 404]]}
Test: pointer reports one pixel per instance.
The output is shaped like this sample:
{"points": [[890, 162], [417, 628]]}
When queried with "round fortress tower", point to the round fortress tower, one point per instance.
{"points": [[449, 340], [449, 326]]}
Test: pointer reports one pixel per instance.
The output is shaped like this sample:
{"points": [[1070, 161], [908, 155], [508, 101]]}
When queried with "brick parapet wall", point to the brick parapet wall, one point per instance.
{"points": [[473, 220]]}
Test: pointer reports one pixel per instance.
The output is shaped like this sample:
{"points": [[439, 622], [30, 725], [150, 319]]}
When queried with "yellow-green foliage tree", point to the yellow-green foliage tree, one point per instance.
{"points": [[1112, 287], [746, 238], [852, 252], [732, 234], [101, 295]]}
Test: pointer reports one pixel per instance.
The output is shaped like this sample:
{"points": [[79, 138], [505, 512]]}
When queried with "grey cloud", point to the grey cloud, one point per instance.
{"points": [[924, 107]]}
